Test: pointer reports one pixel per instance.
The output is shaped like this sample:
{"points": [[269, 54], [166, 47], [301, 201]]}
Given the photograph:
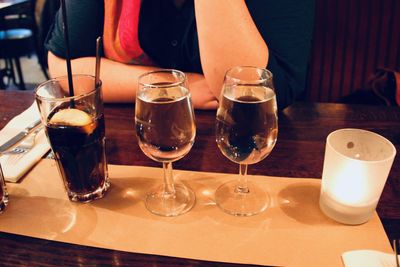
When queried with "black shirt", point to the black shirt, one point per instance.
{"points": [[168, 35]]}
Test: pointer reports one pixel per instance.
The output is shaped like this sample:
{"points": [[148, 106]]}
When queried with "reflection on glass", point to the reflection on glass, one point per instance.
{"points": [[3, 192]]}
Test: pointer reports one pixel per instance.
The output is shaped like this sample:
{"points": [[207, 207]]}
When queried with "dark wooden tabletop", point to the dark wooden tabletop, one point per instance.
{"points": [[299, 152]]}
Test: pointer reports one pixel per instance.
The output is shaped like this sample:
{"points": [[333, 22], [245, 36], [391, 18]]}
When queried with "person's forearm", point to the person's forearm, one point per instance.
{"points": [[228, 37], [120, 81]]}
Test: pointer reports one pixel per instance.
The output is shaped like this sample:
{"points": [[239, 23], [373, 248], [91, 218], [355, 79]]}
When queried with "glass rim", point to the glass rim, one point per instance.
{"points": [[385, 140], [66, 98], [269, 73], [181, 73]]}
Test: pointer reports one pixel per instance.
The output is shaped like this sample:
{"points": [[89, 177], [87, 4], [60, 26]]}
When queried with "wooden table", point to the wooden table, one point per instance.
{"points": [[299, 152]]}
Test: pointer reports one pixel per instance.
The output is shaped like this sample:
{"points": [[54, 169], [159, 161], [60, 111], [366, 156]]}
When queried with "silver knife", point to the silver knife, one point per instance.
{"points": [[4, 147]]}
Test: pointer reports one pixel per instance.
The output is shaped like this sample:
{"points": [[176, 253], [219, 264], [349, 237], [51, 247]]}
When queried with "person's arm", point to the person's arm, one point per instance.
{"points": [[228, 37], [120, 81]]}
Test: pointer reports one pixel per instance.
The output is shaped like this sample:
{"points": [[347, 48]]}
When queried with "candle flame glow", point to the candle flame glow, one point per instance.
{"points": [[348, 184]]}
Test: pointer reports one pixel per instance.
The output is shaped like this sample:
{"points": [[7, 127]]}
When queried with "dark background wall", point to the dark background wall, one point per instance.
{"points": [[351, 39]]}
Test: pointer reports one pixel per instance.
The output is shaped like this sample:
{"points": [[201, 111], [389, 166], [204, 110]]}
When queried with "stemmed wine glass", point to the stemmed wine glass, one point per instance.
{"points": [[246, 132], [166, 130]]}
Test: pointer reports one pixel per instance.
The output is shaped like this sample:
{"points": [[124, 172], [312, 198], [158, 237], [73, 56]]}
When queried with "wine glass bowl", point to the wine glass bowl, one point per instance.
{"points": [[246, 133], [166, 130]]}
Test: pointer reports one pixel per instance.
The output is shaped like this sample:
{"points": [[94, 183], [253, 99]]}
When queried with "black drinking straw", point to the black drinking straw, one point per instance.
{"points": [[98, 61], [68, 58]]}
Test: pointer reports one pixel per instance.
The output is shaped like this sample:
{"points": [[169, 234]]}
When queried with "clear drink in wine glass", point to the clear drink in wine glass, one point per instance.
{"points": [[165, 127], [246, 133]]}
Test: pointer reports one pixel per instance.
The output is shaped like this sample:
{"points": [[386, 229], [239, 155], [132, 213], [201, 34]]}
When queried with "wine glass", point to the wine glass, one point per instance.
{"points": [[246, 132], [166, 130]]}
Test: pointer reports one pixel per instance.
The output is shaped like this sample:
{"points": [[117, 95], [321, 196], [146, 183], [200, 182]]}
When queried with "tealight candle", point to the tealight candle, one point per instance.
{"points": [[356, 166]]}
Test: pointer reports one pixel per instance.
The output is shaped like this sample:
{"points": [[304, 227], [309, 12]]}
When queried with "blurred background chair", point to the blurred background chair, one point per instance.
{"points": [[19, 37]]}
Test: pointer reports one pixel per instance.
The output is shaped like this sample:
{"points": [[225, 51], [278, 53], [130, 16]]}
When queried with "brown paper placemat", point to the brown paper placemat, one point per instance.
{"points": [[292, 232]]}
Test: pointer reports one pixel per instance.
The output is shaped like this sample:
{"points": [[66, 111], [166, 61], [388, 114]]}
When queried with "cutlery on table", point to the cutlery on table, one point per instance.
{"points": [[18, 137], [24, 147]]}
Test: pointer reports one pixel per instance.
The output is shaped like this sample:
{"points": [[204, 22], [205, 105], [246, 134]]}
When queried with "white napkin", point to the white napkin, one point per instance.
{"points": [[15, 169], [368, 258]]}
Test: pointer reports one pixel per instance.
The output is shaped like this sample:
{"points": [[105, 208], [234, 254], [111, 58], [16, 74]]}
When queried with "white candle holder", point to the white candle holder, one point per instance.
{"points": [[356, 166]]}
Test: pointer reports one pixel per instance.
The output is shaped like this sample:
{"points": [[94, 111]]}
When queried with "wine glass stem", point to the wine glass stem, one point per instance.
{"points": [[242, 183], [169, 188]]}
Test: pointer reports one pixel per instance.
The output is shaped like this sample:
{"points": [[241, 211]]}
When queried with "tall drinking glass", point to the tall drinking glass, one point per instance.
{"points": [[166, 130], [76, 132], [3, 192], [246, 132]]}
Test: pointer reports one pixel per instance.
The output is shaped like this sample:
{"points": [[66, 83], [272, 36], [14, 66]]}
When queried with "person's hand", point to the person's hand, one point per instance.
{"points": [[202, 96]]}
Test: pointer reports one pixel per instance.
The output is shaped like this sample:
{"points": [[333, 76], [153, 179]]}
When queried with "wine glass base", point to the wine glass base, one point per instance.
{"points": [[236, 203], [161, 203]]}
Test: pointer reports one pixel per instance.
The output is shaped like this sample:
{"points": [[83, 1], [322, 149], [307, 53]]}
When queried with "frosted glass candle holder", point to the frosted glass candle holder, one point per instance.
{"points": [[356, 166]]}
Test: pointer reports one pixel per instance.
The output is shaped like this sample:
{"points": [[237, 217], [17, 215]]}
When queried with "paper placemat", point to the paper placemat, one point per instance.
{"points": [[292, 232]]}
